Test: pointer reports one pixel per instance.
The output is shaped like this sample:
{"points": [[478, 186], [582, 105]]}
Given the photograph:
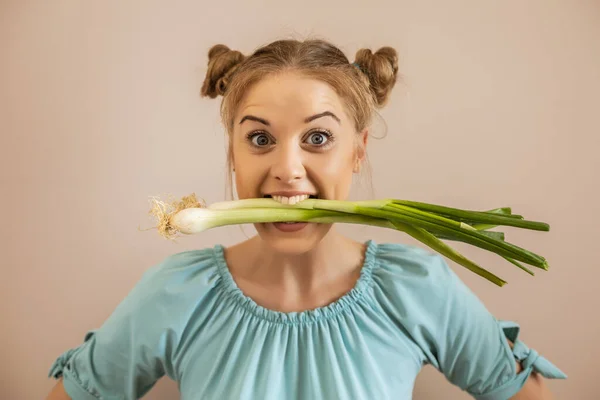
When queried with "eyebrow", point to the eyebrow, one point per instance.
{"points": [[306, 121], [253, 118], [323, 114]]}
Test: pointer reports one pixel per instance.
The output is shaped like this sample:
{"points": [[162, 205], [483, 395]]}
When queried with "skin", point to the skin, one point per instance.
{"points": [[275, 149]]}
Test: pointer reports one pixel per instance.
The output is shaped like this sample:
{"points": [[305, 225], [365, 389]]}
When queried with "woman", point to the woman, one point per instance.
{"points": [[300, 311]]}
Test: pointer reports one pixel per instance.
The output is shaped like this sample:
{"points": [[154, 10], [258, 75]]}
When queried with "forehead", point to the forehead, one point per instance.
{"points": [[290, 95]]}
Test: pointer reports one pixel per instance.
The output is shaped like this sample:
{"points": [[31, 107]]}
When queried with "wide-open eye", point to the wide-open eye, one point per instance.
{"points": [[260, 139], [318, 138]]}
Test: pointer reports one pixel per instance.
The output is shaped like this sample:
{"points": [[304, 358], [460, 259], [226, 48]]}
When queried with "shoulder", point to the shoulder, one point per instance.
{"points": [[403, 266], [183, 267], [417, 288], [178, 281]]}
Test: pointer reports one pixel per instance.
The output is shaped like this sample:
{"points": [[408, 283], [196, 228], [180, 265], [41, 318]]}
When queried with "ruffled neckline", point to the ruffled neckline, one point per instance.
{"points": [[301, 317]]}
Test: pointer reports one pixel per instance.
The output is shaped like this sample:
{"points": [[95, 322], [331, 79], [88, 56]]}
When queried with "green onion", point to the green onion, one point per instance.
{"points": [[430, 224]]}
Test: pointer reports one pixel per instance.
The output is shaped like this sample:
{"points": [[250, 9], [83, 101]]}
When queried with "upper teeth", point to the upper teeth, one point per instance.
{"points": [[291, 200]]}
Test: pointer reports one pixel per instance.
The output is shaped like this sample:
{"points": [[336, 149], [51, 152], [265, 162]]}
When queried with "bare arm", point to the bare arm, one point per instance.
{"points": [[58, 392], [535, 388]]}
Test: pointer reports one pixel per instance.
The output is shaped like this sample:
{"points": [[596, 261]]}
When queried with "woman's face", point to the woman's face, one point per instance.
{"points": [[292, 137]]}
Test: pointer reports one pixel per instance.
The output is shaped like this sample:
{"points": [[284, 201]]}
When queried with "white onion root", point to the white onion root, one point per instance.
{"points": [[163, 212]]}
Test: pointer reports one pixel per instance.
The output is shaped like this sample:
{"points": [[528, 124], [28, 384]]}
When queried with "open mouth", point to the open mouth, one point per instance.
{"points": [[291, 226], [291, 199]]}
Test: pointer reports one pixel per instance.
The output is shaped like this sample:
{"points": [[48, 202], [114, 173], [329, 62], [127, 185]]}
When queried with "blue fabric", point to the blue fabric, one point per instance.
{"points": [[187, 319]]}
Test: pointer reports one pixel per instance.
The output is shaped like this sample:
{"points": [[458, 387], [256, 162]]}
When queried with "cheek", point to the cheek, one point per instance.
{"points": [[340, 163], [244, 181], [248, 176], [335, 174], [336, 169]]}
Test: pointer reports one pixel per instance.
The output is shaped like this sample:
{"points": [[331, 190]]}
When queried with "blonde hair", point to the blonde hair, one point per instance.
{"points": [[364, 85]]}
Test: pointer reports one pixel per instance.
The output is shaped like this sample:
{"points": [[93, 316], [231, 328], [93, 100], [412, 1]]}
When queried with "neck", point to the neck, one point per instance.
{"points": [[336, 258]]}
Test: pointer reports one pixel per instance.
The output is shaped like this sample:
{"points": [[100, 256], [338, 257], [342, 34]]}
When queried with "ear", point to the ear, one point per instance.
{"points": [[361, 149]]}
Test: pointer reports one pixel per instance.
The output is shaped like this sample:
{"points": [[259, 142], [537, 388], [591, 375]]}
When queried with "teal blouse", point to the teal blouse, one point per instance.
{"points": [[187, 319]]}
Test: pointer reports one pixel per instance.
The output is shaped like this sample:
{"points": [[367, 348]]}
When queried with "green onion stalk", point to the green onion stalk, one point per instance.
{"points": [[429, 224]]}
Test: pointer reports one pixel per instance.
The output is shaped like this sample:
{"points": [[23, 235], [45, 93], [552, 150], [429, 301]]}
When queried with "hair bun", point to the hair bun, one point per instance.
{"points": [[222, 63], [381, 68]]}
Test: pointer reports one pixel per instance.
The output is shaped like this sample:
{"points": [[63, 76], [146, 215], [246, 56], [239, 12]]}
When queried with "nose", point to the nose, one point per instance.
{"points": [[288, 165]]}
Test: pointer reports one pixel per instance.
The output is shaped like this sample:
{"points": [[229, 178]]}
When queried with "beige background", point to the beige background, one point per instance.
{"points": [[99, 109]]}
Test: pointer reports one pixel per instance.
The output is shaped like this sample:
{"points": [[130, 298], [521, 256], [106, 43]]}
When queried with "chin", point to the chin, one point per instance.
{"points": [[292, 243]]}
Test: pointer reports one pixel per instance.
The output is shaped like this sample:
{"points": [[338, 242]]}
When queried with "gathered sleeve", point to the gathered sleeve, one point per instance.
{"points": [[133, 348], [453, 329], [470, 346]]}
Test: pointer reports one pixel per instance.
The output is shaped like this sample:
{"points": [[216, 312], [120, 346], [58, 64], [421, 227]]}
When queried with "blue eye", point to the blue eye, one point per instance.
{"points": [[260, 140], [318, 138]]}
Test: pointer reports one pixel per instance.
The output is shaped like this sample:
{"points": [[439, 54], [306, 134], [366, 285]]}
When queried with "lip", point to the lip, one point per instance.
{"points": [[290, 228]]}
